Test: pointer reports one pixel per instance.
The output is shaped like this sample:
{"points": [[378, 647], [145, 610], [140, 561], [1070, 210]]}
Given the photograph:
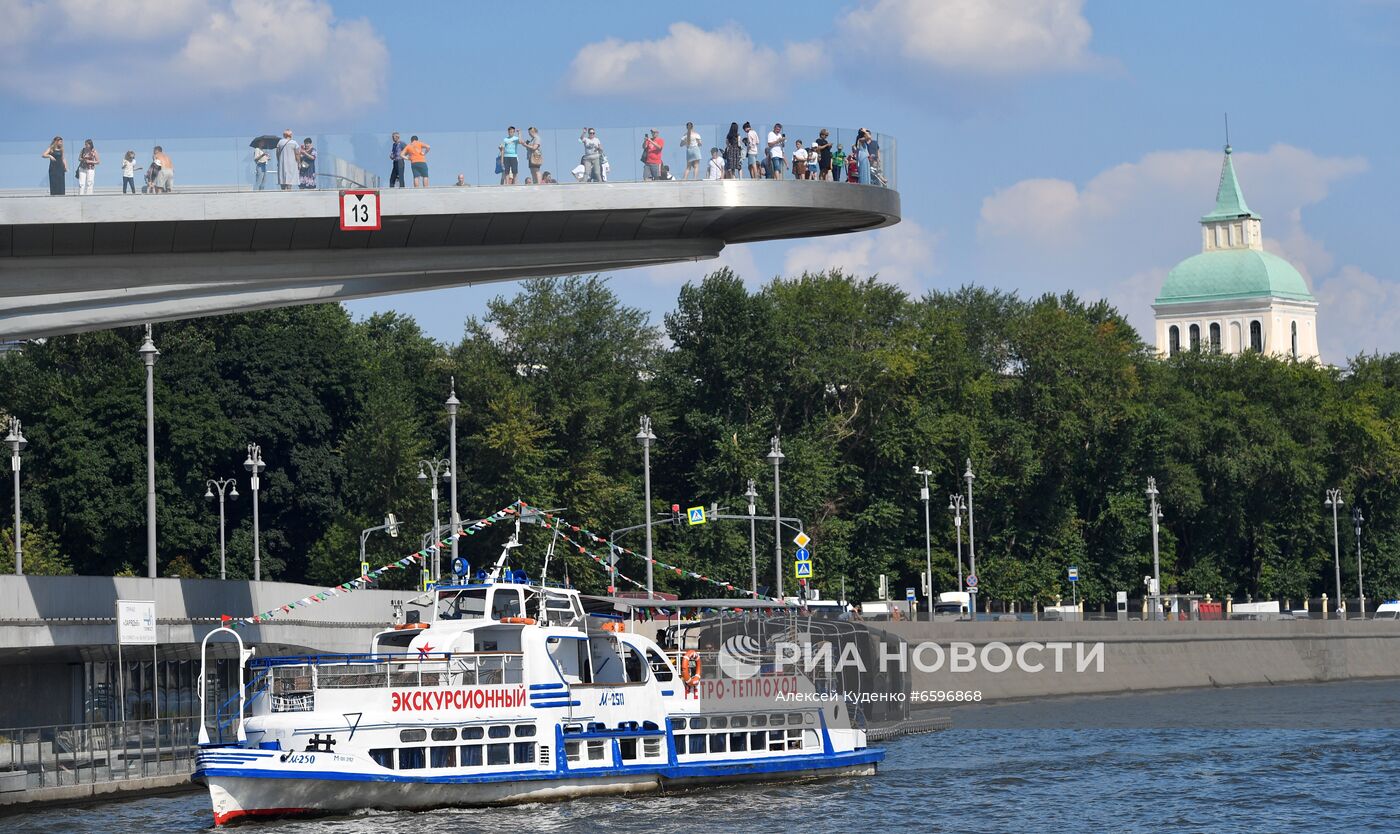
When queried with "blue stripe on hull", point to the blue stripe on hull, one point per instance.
{"points": [[687, 771]]}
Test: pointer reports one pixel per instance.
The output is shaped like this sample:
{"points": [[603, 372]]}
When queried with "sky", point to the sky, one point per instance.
{"points": [[1044, 145]]}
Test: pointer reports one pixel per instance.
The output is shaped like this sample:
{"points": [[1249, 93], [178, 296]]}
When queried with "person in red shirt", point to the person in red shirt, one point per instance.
{"points": [[651, 155]]}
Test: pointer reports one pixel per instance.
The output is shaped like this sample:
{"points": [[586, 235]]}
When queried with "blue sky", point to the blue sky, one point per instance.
{"points": [[1045, 145]]}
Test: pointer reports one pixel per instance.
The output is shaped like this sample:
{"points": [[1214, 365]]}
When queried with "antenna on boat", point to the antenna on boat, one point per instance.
{"points": [[506, 548]]}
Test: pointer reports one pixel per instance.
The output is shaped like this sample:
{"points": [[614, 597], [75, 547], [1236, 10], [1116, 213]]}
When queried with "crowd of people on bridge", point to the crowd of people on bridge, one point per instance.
{"points": [[745, 152]]}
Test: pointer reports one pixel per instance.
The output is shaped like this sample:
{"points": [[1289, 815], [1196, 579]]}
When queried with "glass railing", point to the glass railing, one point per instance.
{"points": [[470, 159]]}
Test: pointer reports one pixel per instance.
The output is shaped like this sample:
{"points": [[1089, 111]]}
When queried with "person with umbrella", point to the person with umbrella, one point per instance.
{"points": [[287, 168], [261, 146]]}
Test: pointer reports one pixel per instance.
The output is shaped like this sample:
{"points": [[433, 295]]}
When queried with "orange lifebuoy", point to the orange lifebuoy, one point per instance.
{"points": [[403, 626], [519, 620], [690, 672], [614, 626]]}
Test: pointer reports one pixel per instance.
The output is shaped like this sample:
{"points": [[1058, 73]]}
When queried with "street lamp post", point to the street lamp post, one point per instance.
{"points": [[775, 457], [221, 484], [971, 545], [440, 468], [956, 503], [752, 495], [254, 465], [1334, 500], [928, 542], [646, 438], [149, 353], [15, 440], [452, 404], [391, 526], [1156, 589], [1356, 519]]}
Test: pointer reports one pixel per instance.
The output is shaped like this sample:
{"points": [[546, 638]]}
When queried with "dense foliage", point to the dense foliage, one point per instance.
{"points": [[1062, 409]]}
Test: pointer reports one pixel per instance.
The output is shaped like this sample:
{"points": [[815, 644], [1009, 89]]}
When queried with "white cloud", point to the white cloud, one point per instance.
{"points": [[293, 56], [901, 255], [1116, 235], [718, 64], [985, 37], [1357, 312], [738, 258]]}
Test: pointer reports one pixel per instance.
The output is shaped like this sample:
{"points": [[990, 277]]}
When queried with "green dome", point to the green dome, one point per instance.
{"points": [[1233, 273]]}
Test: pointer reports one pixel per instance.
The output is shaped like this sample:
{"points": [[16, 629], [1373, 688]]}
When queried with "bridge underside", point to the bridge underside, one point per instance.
{"points": [[69, 264]]}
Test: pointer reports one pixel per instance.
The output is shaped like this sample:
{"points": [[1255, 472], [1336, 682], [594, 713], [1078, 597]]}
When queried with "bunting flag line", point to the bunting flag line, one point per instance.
{"points": [[563, 527], [362, 580], [550, 521]]}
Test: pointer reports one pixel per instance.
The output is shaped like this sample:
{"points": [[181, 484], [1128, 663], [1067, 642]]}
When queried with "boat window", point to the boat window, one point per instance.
{"points": [[775, 720], [471, 755], [473, 732], [498, 754], [740, 721], [596, 727], [659, 666], [738, 742], [570, 656], [443, 756], [411, 758], [384, 757], [444, 734], [651, 747], [794, 739], [413, 735], [758, 721], [571, 750], [809, 738], [777, 740], [573, 728], [717, 742], [628, 748], [524, 730], [397, 640], [524, 752], [678, 723], [758, 742], [634, 665], [809, 718], [595, 749], [462, 605], [499, 731], [794, 718], [698, 723], [506, 603], [696, 743], [719, 722]]}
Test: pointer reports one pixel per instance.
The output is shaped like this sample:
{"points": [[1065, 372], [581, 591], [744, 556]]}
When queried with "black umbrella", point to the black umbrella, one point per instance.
{"points": [[267, 142]]}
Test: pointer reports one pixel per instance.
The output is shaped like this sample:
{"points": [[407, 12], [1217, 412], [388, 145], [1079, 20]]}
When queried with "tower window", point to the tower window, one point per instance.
{"points": [[1195, 338], [1294, 327], [1256, 336], [1173, 340], [1215, 337]]}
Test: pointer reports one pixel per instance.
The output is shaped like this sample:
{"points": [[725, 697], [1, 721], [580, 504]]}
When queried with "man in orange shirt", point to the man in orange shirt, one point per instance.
{"points": [[417, 155]]}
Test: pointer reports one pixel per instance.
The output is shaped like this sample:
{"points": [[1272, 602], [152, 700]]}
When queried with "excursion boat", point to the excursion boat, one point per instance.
{"points": [[508, 692]]}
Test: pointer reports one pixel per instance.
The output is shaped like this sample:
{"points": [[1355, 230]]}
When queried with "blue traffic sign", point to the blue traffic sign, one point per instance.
{"points": [[803, 555], [909, 594], [1074, 574], [972, 580], [803, 570]]}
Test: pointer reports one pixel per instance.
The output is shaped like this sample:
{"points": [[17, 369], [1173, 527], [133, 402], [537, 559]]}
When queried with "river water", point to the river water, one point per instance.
{"points": [[1283, 758]]}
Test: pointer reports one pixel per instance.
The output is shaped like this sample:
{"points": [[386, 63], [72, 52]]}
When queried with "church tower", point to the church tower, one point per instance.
{"points": [[1234, 296]]}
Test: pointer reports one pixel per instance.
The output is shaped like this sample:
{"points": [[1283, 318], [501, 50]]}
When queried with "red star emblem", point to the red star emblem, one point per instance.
{"points": [[423, 651]]}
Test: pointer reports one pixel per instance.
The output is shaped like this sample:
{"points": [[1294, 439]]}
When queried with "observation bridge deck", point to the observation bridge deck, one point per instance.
{"points": [[85, 262]]}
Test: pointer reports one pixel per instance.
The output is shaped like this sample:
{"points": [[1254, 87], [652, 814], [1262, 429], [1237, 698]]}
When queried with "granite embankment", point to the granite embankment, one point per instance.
{"points": [[1142, 656]]}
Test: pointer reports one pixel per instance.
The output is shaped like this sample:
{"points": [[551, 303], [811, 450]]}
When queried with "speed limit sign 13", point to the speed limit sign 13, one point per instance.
{"points": [[359, 211]]}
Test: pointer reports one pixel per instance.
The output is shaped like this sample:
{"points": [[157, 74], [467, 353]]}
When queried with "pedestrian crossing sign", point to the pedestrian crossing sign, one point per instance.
{"points": [[696, 515], [803, 570]]}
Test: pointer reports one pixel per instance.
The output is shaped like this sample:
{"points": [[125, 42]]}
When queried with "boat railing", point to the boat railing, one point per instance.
{"points": [[294, 681]]}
